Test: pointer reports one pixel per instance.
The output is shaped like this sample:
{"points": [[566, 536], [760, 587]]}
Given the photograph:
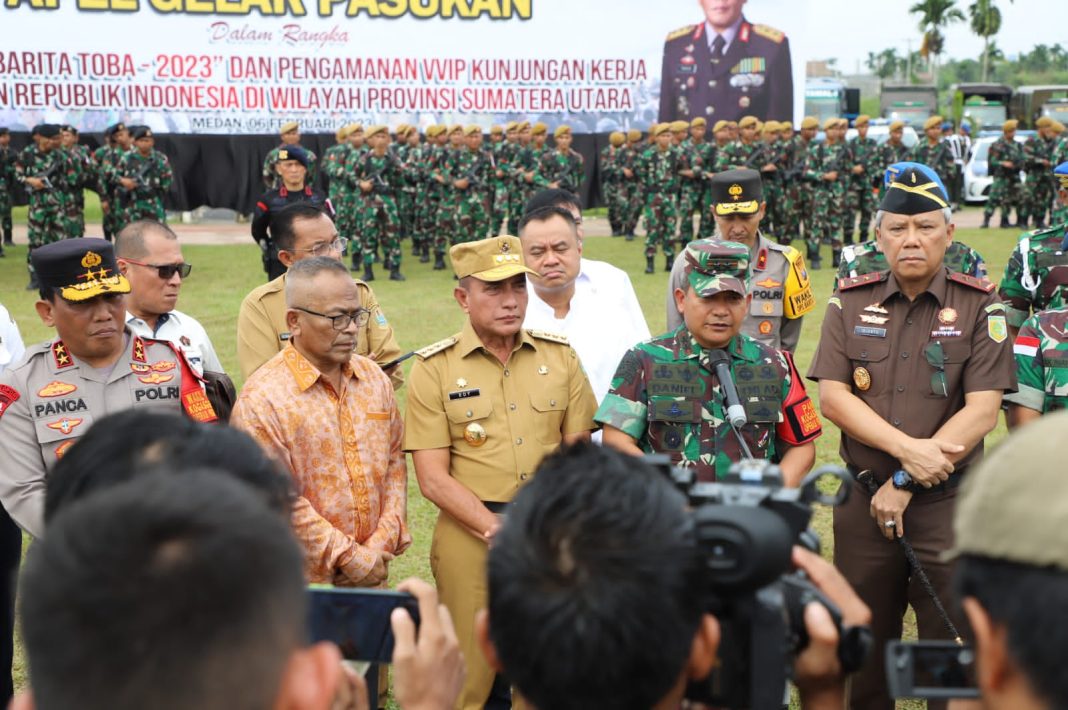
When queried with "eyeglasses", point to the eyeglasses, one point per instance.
{"points": [[936, 358], [340, 322], [166, 271], [337, 245]]}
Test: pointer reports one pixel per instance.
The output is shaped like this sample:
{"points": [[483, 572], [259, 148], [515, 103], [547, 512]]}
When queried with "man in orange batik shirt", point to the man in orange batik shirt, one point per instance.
{"points": [[331, 417]]}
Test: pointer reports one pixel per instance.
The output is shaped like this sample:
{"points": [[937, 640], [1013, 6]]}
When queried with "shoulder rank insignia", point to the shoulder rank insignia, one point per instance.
{"points": [[547, 335], [61, 356], [769, 33], [978, 284], [682, 31], [434, 349], [139, 350], [863, 280]]}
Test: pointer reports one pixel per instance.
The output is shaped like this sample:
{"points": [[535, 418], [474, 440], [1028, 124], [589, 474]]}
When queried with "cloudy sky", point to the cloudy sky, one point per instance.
{"points": [[852, 29]]}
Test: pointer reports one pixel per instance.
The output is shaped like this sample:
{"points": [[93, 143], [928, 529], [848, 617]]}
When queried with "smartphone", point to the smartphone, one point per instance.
{"points": [[936, 670], [357, 620]]}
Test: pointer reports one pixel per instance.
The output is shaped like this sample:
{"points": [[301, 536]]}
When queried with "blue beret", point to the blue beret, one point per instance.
{"points": [[293, 152], [913, 188], [1061, 173]]}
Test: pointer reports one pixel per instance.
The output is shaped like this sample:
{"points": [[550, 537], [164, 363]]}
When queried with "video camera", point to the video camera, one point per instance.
{"points": [[746, 525]]}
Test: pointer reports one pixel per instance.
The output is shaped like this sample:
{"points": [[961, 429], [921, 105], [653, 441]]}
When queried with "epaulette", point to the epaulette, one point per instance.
{"points": [[680, 32], [769, 33], [1053, 231], [978, 284], [547, 335], [863, 280], [434, 349]]}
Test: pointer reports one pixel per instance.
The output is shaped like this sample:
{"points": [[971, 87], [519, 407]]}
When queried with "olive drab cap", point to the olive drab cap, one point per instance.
{"points": [[288, 127], [713, 266], [862, 120], [1008, 507], [678, 126], [659, 128], [81, 268], [912, 188], [539, 128], [493, 259], [810, 122], [563, 130], [698, 122], [634, 135], [932, 122], [1010, 125], [616, 138], [736, 192], [748, 121], [895, 125]]}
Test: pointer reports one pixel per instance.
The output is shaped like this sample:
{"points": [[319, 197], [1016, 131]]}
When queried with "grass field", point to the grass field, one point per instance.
{"points": [[422, 310]]}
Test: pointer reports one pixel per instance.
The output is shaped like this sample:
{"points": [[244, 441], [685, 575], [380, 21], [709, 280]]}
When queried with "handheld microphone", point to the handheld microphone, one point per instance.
{"points": [[721, 361]]}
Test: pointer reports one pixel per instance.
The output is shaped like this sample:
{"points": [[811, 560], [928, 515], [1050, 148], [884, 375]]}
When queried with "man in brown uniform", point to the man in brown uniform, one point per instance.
{"points": [[303, 231], [912, 363], [484, 407]]}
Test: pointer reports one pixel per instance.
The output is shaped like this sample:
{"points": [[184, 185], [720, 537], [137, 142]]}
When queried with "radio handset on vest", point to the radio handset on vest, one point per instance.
{"points": [[721, 363]]}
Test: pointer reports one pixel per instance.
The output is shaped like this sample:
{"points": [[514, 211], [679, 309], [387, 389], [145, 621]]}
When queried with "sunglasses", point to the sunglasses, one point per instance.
{"points": [[936, 358], [166, 271]]}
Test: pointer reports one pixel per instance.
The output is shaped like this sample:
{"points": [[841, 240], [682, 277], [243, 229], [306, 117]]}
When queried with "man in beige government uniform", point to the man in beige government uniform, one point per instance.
{"points": [[94, 367], [780, 287], [302, 231], [484, 407]]}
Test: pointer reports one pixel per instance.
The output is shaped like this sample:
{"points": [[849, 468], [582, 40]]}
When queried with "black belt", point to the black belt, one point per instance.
{"points": [[949, 484], [495, 507]]}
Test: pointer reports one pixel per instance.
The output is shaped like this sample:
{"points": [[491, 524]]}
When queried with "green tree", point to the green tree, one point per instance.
{"points": [[986, 23], [935, 15]]}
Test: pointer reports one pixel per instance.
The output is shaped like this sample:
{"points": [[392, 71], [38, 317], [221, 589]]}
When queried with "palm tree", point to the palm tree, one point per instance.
{"points": [[985, 22], [934, 16]]}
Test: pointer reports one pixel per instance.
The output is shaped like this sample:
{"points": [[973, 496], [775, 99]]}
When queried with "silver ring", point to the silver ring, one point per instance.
{"points": [[890, 524]]}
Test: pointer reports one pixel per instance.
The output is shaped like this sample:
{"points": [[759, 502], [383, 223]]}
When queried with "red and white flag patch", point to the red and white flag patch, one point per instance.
{"points": [[1026, 345]]}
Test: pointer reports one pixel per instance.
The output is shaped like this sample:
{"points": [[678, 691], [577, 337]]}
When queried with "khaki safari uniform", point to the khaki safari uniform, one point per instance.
{"points": [[498, 422], [896, 355], [49, 400], [262, 331]]}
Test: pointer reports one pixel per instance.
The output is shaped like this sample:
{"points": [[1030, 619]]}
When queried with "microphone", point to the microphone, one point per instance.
{"points": [[720, 361]]}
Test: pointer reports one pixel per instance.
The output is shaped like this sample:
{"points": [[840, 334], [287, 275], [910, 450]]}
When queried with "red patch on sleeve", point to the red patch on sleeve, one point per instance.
{"points": [[8, 396]]}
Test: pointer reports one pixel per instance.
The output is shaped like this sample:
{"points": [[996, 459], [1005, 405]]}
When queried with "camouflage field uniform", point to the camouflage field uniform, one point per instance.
{"points": [[797, 210], [528, 160], [828, 197], [503, 154], [660, 184], [377, 219], [153, 175], [46, 218], [517, 186], [413, 186], [471, 220], [106, 160], [865, 258], [736, 155], [405, 198], [888, 155], [631, 199], [429, 212], [611, 177], [666, 396], [691, 193], [1005, 192], [1036, 275], [1041, 187], [1060, 155], [859, 195], [270, 176], [1041, 350], [937, 157], [566, 170], [7, 192], [774, 223], [84, 178], [339, 191]]}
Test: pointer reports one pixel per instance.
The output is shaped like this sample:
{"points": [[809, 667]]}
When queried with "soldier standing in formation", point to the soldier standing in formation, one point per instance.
{"points": [[1040, 187], [469, 171], [290, 135], [7, 187], [694, 152], [659, 176], [933, 152], [894, 149], [376, 176], [561, 168], [43, 169], [145, 176], [865, 170], [85, 177], [1006, 160], [828, 169], [611, 179], [106, 158], [631, 195]]}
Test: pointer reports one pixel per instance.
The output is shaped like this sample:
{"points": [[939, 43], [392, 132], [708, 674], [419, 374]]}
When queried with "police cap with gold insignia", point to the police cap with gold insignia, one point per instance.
{"points": [[493, 259], [713, 266], [736, 192], [139, 132], [913, 188], [293, 152], [81, 268], [288, 127], [1061, 174]]}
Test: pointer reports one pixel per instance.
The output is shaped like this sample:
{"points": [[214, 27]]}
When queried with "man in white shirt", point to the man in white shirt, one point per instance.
{"points": [[11, 347], [151, 259], [591, 302]]}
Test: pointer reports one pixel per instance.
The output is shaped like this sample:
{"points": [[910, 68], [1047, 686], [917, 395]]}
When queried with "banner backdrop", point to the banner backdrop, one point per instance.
{"points": [[246, 66]]}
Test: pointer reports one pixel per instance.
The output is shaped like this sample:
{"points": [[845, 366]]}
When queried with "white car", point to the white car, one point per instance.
{"points": [[881, 133], [977, 177]]}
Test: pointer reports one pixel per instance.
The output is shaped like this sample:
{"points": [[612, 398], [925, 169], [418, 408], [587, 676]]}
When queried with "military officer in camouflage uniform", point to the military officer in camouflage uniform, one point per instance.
{"points": [[45, 172], [561, 167], [1006, 159], [1060, 155], [7, 187], [515, 177], [827, 168], [503, 155], [339, 191], [799, 188], [1036, 275], [484, 407], [666, 397], [529, 160], [781, 292], [609, 170], [1041, 351], [469, 171], [735, 155], [698, 157], [631, 190], [894, 150], [83, 178], [106, 159], [933, 152], [144, 175], [377, 175], [59, 389], [859, 195], [659, 175], [290, 135], [414, 184], [1040, 187]]}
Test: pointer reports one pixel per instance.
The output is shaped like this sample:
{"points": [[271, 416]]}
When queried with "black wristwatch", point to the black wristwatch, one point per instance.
{"points": [[903, 481]]}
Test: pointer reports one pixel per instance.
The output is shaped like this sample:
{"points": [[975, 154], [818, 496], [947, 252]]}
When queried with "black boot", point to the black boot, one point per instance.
{"points": [[387, 264], [667, 262], [649, 266], [368, 272], [395, 274], [424, 258], [986, 222], [1040, 224], [9, 242], [415, 249], [33, 285], [439, 262], [836, 258], [356, 262], [1022, 222], [630, 236], [1005, 222]]}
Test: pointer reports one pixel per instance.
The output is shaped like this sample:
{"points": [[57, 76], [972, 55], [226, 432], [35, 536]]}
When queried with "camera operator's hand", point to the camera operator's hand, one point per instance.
{"points": [[428, 671], [888, 505], [351, 693], [925, 460], [817, 671]]}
